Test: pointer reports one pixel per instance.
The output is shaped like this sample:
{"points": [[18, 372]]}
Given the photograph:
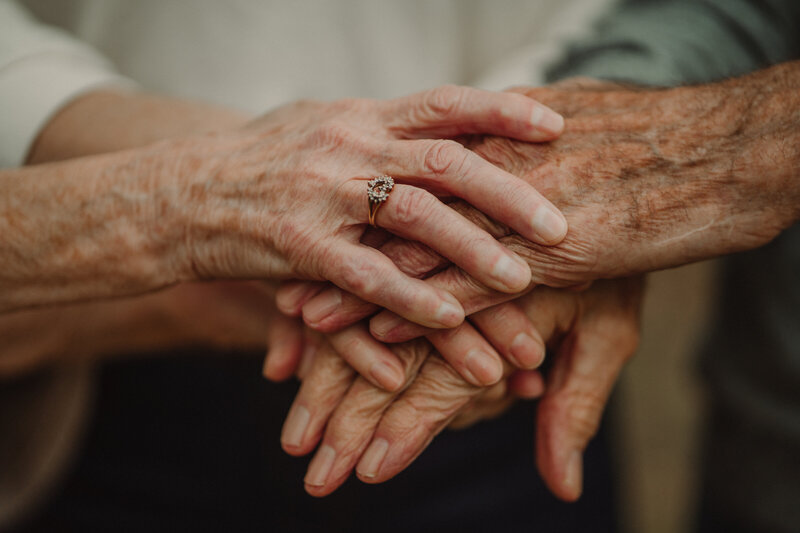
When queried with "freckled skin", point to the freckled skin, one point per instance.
{"points": [[647, 179]]}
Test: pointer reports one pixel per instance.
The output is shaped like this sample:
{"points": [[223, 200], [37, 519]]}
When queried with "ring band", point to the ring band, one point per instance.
{"points": [[378, 190]]}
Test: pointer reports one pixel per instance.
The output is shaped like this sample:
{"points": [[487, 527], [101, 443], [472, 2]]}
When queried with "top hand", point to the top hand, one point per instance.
{"points": [[648, 179], [290, 195], [283, 197]]}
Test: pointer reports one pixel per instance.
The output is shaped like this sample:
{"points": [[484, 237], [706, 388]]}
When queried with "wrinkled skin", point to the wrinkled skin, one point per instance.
{"points": [[591, 335], [648, 179], [284, 196], [289, 191]]}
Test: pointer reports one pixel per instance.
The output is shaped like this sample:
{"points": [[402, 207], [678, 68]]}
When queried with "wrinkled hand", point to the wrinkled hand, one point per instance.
{"points": [[286, 197], [647, 179], [591, 333]]}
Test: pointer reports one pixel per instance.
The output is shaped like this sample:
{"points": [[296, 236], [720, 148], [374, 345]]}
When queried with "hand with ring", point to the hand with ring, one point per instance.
{"points": [[287, 196]]}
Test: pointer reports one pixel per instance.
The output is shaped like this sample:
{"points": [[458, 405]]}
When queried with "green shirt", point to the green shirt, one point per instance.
{"points": [[751, 360]]}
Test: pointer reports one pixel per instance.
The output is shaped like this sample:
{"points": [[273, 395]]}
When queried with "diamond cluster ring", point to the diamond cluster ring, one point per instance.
{"points": [[378, 190]]}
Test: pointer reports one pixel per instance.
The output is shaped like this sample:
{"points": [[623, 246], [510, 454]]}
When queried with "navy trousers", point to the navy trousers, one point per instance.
{"points": [[190, 442]]}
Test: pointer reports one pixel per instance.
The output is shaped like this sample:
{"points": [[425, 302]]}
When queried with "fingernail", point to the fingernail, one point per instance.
{"points": [[526, 351], [512, 272], [547, 119], [384, 323], [372, 459], [322, 305], [295, 426], [449, 315], [484, 368], [549, 224], [387, 376], [573, 475], [321, 466]]}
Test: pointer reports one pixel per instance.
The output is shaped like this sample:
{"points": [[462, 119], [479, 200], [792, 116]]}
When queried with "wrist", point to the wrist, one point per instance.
{"points": [[766, 137], [726, 154]]}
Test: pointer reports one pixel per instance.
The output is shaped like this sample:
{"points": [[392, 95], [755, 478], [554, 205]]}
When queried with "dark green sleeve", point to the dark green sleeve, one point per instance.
{"points": [[670, 42]]}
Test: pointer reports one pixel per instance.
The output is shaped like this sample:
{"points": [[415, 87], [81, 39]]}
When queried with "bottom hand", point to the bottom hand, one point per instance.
{"points": [[591, 333]]}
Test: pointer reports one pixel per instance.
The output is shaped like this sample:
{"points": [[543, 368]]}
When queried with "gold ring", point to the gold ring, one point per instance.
{"points": [[378, 190]]}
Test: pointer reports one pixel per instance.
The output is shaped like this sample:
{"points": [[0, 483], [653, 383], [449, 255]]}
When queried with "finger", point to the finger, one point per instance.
{"points": [[387, 326], [585, 368], [526, 384], [446, 166], [311, 344], [450, 111], [369, 274], [292, 295], [323, 388], [285, 346], [489, 404], [414, 419], [511, 332], [351, 426], [570, 412], [469, 354], [416, 214], [332, 310], [473, 296], [370, 358]]}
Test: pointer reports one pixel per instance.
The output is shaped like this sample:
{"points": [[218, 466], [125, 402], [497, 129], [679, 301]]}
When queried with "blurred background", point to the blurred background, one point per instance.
{"points": [[659, 403]]}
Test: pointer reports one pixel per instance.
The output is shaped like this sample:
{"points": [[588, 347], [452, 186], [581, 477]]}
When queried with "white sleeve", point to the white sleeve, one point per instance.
{"points": [[42, 68]]}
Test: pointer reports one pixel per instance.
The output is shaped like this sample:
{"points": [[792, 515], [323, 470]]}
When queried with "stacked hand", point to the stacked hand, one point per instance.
{"points": [[646, 181], [379, 433]]}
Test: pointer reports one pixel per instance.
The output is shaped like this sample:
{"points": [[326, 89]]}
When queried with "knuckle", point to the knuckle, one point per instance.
{"points": [[331, 135], [347, 345], [443, 101], [582, 411], [358, 276], [470, 292], [494, 228], [412, 257], [444, 156], [504, 314], [412, 206], [503, 153]]}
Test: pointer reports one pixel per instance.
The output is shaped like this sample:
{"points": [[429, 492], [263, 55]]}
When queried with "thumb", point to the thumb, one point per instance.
{"points": [[583, 375]]}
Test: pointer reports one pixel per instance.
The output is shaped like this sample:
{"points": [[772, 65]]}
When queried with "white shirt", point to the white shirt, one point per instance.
{"points": [[256, 54]]}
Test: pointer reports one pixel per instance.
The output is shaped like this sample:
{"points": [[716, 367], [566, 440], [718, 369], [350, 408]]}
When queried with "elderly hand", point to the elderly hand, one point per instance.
{"points": [[291, 190], [647, 179], [592, 334], [285, 196]]}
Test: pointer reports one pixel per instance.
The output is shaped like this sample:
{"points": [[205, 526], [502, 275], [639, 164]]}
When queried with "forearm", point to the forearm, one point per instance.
{"points": [[116, 121], [92, 227], [765, 144], [99, 225], [64, 334], [109, 121]]}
